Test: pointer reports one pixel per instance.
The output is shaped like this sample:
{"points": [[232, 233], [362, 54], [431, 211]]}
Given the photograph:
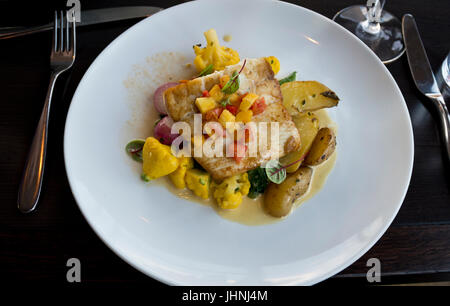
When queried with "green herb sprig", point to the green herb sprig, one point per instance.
{"points": [[233, 84], [289, 78], [275, 171], [208, 70]]}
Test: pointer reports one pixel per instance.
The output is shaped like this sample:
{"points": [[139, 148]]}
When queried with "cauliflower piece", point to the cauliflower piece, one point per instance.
{"points": [[198, 181], [214, 53], [158, 159], [177, 177], [229, 193]]}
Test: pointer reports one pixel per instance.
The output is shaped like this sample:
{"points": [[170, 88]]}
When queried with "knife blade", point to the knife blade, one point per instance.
{"points": [[88, 17], [423, 76]]}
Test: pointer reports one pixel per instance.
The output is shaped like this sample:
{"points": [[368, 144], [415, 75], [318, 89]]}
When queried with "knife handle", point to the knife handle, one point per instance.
{"points": [[21, 31], [444, 117]]}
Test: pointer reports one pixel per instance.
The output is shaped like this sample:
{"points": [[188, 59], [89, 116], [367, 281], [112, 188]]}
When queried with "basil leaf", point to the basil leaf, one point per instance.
{"points": [[208, 70], [289, 78], [134, 149], [275, 171], [232, 85]]}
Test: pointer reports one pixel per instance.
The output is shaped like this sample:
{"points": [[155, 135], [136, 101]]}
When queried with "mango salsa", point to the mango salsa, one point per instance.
{"points": [[205, 104], [247, 101]]}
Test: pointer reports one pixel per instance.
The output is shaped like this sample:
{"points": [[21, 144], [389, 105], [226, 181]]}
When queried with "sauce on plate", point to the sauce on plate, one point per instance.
{"points": [[167, 67]]}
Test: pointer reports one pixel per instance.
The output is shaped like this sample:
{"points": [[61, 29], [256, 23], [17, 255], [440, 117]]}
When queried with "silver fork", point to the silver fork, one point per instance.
{"points": [[61, 59]]}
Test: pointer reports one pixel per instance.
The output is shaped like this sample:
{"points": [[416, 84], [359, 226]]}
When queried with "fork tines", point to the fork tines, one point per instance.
{"points": [[63, 33]]}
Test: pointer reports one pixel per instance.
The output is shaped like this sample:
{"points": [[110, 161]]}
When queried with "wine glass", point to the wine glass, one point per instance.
{"points": [[378, 29]]}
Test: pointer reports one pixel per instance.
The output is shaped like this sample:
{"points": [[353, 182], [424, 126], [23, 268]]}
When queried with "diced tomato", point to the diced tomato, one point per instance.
{"points": [[239, 150], [247, 135], [232, 109], [214, 114], [242, 97], [259, 106], [205, 93]]}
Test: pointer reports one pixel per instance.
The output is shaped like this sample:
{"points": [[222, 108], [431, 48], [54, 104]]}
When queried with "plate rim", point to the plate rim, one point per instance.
{"points": [[166, 280]]}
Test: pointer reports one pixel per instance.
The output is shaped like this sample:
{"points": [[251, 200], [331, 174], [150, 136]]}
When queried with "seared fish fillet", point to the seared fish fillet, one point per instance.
{"points": [[256, 77]]}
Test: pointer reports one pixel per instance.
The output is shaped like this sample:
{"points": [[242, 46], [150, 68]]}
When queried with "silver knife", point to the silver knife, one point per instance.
{"points": [[423, 76], [88, 17]]}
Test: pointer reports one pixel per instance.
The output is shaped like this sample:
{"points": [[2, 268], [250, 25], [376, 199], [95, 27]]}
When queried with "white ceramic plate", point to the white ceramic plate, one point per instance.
{"points": [[180, 242]]}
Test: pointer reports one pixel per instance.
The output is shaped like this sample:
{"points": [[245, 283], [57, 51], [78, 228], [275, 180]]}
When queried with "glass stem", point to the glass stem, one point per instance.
{"points": [[374, 9]]}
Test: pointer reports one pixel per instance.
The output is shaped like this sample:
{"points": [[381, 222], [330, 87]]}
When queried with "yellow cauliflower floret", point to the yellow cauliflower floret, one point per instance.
{"points": [[158, 159], [274, 63], [214, 53], [229, 193], [177, 177], [198, 181]]}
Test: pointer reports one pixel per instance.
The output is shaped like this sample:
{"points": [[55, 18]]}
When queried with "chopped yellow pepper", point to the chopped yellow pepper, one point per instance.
{"points": [[216, 93], [214, 53], [158, 159], [234, 98], [244, 116], [247, 101], [205, 104], [274, 63], [198, 181], [177, 177], [230, 191], [225, 117]]}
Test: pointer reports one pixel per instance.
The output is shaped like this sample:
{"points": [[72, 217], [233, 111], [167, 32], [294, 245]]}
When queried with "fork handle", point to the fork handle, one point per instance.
{"points": [[30, 186]]}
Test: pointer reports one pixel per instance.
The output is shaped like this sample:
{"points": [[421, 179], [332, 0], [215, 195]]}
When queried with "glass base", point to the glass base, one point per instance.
{"points": [[386, 40]]}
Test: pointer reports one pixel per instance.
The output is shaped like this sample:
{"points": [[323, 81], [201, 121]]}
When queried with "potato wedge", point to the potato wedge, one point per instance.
{"points": [[279, 198], [304, 96], [307, 125], [322, 147]]}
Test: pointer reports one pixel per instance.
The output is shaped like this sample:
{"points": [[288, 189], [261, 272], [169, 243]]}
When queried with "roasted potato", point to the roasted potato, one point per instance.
{"points": [[308, 126], [279, 198], [322, 147], [304, 96]]}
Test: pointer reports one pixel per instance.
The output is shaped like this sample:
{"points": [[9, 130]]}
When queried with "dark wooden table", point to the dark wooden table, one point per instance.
{"points": [[36, 246]]}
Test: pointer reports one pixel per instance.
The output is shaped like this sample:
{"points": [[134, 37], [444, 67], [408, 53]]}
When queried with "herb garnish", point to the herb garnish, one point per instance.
{"points": [[134, 149], [233, 84], [258, 182], [275, 171], [289, 78], [208, 70], [225, 102]]}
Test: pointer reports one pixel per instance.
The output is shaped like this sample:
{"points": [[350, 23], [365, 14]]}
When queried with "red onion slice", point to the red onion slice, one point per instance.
{"points": [[158, 97], [162, 131]]}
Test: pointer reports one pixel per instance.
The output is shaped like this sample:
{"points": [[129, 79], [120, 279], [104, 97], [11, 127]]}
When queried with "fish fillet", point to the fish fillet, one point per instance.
{"points": [[256, 77]]}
